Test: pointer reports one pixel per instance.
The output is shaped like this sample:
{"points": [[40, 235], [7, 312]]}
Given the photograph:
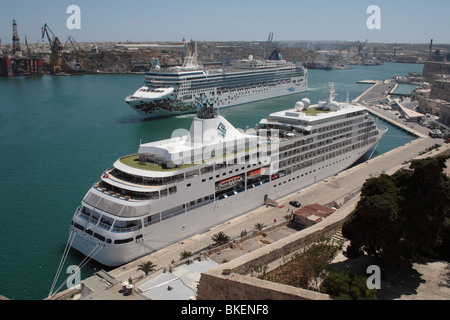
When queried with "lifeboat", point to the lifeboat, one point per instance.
{"points": [[228, 183], [256, 172]]}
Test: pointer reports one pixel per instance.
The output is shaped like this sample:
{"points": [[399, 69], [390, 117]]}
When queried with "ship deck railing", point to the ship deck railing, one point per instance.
{"points": [[125, 230]]}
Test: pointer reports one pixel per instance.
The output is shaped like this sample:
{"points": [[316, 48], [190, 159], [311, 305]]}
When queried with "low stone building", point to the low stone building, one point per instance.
{"points": [[310, 215], [437, 107], [441, 89], [437, 100]]}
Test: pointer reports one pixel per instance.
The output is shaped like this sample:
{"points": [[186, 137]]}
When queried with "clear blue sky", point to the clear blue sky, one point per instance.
{"points": [[402, 21]]}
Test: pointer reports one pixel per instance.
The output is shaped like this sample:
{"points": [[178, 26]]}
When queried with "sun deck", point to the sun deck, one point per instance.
{"points": [[133, 161], [314, 111]]}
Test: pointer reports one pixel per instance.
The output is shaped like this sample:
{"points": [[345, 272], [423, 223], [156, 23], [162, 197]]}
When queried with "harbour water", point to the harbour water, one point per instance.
{"points": [[58, 134]]}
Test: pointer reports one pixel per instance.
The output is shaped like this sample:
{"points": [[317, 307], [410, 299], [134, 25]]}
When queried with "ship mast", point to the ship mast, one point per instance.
{"points": [[331, 91], [206, 111]]}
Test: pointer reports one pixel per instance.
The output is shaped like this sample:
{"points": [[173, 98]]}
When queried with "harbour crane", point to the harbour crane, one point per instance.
{"points": [[56, 48], [28, 48], [360, 47], [268, 45], [78, 65]]}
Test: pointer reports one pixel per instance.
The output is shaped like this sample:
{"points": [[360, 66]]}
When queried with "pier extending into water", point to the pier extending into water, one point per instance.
{"points": [[379, 91]]}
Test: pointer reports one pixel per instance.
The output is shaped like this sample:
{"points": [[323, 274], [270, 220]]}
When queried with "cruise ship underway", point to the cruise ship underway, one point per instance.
{"points": [[177, 90], [175, 188]]}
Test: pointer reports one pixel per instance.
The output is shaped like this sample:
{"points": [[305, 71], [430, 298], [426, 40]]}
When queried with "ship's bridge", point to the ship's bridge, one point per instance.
{"points": [[304, 117], [147, 92]]}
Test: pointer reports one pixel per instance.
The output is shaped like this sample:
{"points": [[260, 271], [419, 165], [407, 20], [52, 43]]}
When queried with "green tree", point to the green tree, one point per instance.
{"points": [[426, 205], [220, 238], [147, 267], [259, 226], [401, 216], [377, 210], [185, 254], [346, 286]]}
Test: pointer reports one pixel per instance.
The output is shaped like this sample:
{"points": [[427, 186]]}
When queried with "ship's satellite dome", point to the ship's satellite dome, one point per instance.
{"points": [[157, 67], [250, 57], [306, 102], [333, 106], [299, 106]]}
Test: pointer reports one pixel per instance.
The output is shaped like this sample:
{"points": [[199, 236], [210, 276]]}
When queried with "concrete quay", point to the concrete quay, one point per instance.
{"points": [[381, 90], [338, 189]]}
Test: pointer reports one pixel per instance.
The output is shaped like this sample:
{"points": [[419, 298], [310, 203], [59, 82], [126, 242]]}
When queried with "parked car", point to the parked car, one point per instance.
{"points": [[295, 204]]}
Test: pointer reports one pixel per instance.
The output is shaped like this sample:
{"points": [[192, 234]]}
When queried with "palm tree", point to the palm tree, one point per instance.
{"points": [[147, 267], [259, 226], [185, 254], [220, 238]]}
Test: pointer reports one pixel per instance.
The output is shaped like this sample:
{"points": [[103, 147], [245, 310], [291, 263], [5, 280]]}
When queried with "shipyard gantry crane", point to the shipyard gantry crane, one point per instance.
{"points": [[56, 48], [360, 47], [78, 65]]}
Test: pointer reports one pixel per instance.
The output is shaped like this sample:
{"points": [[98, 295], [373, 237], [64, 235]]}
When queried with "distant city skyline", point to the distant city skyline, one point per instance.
{"points": [[401, 21]]}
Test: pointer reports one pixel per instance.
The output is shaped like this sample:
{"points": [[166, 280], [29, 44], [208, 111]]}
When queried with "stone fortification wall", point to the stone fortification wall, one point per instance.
{"points": [[230, 281], [441, 89], [432, 68], [215, 285]]}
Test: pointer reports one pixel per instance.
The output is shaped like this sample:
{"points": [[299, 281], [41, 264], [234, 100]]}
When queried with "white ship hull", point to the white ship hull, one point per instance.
{"points": [[169, 106], [197, 221], [175, 188]]}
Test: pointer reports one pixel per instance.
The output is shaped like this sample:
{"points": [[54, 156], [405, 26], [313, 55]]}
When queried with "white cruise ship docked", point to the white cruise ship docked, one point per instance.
{"points": [[175, 188], [177, 90]]}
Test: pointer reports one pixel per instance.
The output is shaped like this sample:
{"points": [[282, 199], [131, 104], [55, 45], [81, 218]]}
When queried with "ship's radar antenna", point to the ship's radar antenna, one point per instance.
{"points": [[331, 91], [206, 110]]}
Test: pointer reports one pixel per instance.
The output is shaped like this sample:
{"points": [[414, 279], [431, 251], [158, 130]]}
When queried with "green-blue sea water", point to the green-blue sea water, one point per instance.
{"points": [[58, 134]]}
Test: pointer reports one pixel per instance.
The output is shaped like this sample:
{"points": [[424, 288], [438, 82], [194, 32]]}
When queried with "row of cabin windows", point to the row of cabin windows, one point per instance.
{"points": [[230, 172], [235, 89], [336, 152], [145, 181], [334, 133], [339, 125], [297, 151], [258, 88], [126, 194], [310, 172], [366, 130], [316, 146], [335, 126], [326, 157], [103, 238], [124, 226]]}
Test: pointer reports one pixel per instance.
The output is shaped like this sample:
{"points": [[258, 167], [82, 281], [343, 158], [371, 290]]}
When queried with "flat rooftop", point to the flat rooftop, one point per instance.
{"points": [[180, 284]]}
